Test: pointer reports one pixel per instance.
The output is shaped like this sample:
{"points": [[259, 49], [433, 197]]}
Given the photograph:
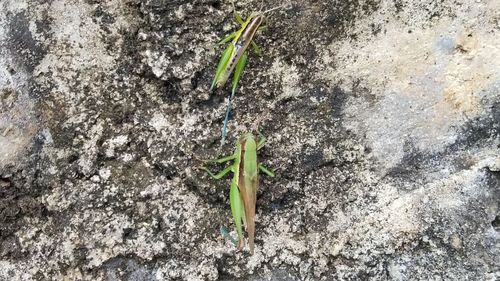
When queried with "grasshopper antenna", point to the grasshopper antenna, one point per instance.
{"points": [[261, 118], [275, 8]]}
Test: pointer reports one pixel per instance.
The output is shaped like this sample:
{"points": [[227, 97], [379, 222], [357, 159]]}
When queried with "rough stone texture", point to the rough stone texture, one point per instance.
{"points": [[382, 118]]}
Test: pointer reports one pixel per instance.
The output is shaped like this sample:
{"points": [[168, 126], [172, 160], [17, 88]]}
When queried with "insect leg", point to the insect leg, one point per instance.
{"points": [[266, 171], [261, 142], [226, 119], [225, 233], [237, 210], [238, 18], [222, 66], [227, 38], [236, 15], [221, 160], [256, 48], [220, 174], [236, 78], [240, 66]]}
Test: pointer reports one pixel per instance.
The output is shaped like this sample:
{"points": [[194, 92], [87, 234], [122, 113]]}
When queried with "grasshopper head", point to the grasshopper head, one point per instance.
{"points": [[258, 17], [247, 136]]}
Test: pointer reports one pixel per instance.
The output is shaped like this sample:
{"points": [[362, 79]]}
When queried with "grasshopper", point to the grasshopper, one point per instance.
{"points": [[243, 190], [235, 55]]}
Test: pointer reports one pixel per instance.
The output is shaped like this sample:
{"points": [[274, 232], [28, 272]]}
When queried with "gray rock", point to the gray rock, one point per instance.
{"points": [[382, 119]]}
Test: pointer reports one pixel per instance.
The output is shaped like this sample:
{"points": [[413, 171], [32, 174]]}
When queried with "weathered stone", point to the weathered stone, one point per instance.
{"points": [[382, 119]]}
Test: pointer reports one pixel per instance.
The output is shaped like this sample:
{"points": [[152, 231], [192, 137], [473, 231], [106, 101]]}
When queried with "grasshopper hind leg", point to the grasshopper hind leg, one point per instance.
{"points": [[226, 120], [238, 211], [240, 66]]}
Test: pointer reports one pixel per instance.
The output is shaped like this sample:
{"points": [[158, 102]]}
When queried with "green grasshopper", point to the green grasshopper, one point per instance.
{"points": [[235, 56], [243, 191]]}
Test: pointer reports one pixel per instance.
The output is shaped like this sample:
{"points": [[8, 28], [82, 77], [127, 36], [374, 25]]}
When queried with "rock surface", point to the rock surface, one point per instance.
{"points": [[382, 119]]}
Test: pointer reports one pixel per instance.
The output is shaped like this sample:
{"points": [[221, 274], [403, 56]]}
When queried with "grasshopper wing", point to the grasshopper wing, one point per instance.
{"points": [[248, 184]]}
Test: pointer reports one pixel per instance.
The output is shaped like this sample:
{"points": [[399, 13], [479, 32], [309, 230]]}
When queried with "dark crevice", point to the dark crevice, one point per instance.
{"points": [[496, 223]]}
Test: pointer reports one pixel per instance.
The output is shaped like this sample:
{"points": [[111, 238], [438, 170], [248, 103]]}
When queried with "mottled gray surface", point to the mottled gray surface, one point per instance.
{"points": [[382, 119]]}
